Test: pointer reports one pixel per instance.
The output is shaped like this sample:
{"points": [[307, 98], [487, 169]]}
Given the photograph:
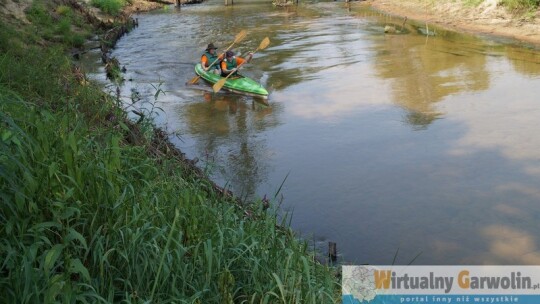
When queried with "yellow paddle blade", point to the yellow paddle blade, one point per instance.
{"points": [[194, 79], [264, 44], [218, 85], [240, 36]]}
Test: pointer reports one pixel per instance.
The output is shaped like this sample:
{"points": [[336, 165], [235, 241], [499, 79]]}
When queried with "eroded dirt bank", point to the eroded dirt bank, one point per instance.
{"points": [[489, 17]]}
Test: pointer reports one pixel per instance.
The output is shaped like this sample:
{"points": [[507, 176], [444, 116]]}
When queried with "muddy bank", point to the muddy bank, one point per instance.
{"points": [[488, 17]]}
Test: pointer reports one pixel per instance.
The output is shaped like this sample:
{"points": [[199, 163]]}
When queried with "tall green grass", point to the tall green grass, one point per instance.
{"points": [[88, 217], [57, 24]]}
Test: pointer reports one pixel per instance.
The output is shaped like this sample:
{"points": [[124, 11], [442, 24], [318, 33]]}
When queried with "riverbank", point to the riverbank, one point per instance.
{"points": [[488, 17], [99, 208]]}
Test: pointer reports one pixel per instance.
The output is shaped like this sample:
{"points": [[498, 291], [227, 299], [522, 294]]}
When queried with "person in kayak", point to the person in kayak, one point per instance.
{"points": [[231, 63], [210, 56]]}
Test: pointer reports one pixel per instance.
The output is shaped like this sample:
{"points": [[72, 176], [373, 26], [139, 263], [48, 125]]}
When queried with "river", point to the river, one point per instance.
{"points": [[419, 145]]}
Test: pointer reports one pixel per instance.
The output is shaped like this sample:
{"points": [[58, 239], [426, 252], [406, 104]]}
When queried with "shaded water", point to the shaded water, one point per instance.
{"points": [[422, 144]]}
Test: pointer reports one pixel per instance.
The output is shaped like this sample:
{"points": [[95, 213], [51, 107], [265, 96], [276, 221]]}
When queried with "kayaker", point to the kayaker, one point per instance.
{"points": [[210, 56], [231, 63]]}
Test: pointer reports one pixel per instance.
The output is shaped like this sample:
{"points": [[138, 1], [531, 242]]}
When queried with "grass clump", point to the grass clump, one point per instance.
{"points": [[87, 216], [526, 5], [63, 10], [58, 25], [112, 7]]}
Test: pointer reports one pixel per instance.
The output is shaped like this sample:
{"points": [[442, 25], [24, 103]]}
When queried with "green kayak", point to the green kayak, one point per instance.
{"points": [[241, 84]]}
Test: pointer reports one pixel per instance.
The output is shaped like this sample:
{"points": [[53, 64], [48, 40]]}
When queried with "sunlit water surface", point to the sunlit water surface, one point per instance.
{"points": [[408, 143]]}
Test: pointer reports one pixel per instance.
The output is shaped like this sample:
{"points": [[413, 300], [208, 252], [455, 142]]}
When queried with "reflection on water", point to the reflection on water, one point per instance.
{"points": [[524, 61], [422, 144], [227, 129], [428, 72]]}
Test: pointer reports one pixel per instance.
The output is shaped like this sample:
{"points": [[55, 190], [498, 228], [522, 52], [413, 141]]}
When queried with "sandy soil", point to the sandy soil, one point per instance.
{"points": [[488, 17], [14, 10]]}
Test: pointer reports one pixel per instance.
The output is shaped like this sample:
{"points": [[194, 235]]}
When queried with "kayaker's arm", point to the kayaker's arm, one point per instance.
{"points": [[204, 62], [231, 64], [249, 57], [244, 61], [224, 68], [207, 65]]}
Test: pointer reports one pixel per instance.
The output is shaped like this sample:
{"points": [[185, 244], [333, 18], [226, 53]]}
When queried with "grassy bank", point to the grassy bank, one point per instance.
{"points": [[92, 213]]}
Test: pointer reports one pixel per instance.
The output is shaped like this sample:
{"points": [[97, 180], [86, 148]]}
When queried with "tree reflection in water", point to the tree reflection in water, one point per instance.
{"points": [[229, 129]]}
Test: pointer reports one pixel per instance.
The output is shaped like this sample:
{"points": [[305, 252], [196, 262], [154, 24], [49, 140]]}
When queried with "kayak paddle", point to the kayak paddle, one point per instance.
{"points": [[239, 37], [218, 85]]}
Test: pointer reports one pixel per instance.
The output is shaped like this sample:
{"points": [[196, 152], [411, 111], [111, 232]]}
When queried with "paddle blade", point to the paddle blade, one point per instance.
{"points": [[240, 36], [264, 43], [194, 79], [218, 85]]}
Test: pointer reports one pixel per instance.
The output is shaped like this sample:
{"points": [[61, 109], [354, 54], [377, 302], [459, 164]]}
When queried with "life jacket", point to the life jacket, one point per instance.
{"points": [[231, 64], [211, 58]]}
